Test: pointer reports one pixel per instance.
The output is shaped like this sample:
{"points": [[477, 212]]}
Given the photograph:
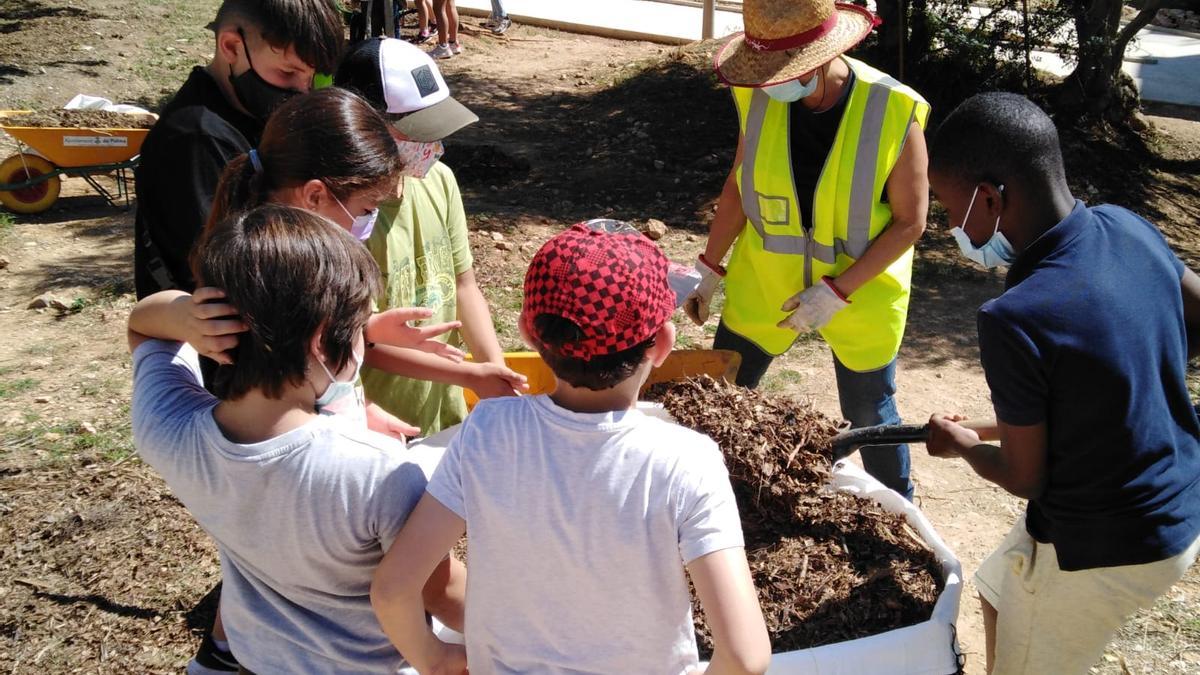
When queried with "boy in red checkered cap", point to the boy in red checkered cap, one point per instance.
{"points": [[581, 511]]}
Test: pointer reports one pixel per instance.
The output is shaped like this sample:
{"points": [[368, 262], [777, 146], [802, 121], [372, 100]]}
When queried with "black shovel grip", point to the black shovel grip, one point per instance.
{"points": [[845, 443]]}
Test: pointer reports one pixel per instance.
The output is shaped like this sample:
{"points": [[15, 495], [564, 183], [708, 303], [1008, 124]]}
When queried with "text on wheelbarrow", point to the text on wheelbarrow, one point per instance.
{"points": [[95, 141]]}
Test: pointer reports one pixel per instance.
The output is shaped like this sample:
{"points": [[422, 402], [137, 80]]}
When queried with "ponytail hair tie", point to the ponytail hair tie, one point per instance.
{"points": [[255, 161]]}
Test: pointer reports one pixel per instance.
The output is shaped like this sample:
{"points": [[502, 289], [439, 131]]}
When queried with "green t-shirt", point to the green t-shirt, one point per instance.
{"points": [[420, 243]]}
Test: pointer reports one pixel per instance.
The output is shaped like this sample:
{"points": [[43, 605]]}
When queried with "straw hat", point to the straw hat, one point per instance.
{"points": [[786, 39]]}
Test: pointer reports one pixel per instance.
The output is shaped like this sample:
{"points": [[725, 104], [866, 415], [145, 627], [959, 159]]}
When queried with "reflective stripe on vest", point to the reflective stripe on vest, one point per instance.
{"points": [[848, 213], [861, 193]]}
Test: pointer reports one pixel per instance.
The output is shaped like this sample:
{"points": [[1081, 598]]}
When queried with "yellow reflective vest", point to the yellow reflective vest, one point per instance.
{"points": [[776, 255]]}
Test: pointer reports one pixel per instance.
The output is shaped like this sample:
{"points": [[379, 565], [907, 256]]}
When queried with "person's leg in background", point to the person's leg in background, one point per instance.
{"points": [[375, 7], [424, 16], [755, 361], [498, 22], [213, 656], [442, 50], [451, 18], [868, 399]]}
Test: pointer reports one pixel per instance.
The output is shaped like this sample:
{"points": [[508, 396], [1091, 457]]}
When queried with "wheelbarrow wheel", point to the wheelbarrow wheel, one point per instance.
{"points": [[35, 198]]}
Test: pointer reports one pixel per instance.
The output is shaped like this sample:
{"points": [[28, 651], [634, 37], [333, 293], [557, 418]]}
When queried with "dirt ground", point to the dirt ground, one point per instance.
{"points": [[102, 570]]}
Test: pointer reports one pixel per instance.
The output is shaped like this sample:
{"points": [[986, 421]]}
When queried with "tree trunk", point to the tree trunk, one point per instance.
{"points": [[919, 39], [1095, 87], [890, 35]]}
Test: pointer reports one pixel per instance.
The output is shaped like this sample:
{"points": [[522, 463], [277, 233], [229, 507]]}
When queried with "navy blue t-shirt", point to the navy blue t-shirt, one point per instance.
{"points": [[1089, 338]]}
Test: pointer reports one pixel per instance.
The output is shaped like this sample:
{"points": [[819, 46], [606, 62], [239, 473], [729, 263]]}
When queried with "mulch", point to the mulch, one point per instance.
{"points": [[101, 570], [828, 566], [79, 119]]}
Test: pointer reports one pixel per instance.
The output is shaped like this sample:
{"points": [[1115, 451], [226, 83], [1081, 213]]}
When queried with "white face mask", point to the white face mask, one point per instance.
{"points": [[360, 226], [793, 90], [343, 398], [995, 252], [418, 158]]}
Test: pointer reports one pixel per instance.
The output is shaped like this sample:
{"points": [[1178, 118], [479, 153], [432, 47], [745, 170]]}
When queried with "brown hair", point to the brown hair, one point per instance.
{"points": [[599, 372], [291, 274], [329, 135], [313, 28]]}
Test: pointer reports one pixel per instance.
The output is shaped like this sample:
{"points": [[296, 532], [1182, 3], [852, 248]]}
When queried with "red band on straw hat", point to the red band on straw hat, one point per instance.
{"points": [[779, 44]]}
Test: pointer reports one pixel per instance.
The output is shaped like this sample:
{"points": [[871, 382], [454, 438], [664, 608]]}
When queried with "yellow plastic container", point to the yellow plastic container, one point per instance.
{"points": [[718, 363], [529, 364], [76, 148]]}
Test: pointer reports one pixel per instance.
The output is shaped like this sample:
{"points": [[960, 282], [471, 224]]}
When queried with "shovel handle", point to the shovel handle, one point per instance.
{"points": [[847, 442]]}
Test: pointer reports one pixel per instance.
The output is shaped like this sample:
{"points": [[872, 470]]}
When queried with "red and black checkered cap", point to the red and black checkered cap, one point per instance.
{"points": [[612, 285]]}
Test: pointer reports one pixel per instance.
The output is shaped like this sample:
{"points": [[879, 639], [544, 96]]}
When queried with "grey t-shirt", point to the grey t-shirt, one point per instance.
{"points": [[578, 530], [301, 520]]}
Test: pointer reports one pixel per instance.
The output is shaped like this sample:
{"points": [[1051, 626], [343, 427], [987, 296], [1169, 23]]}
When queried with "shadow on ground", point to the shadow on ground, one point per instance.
{"points": [[101, 603], [94, 258], [200, 618], [16, 11], [18, 16], [656, 144]]}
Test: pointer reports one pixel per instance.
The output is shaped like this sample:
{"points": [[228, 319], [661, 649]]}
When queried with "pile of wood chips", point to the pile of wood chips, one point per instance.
{"points": [[79, 119], [828, 566]]}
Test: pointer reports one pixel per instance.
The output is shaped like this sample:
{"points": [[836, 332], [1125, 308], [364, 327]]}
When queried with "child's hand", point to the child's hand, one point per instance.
{"points": [[212, 327], [391, 328], [948, 438], [492, 380], [388, 424]]}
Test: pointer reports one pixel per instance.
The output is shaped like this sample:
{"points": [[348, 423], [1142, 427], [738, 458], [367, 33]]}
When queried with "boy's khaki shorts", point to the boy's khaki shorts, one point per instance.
{"points": [[1051, 621]]}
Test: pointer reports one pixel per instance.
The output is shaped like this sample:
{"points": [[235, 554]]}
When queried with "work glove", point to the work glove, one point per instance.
{"points": [[814, 307], [696, 304]]}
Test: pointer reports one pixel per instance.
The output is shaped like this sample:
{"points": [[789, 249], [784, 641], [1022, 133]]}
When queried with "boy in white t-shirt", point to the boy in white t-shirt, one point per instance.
{"points": [[302, 505], [581, 512]]}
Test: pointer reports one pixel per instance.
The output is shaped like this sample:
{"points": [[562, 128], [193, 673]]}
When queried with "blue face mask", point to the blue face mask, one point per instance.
{"points": [[343, 398], [793, 90], [995, 252]]}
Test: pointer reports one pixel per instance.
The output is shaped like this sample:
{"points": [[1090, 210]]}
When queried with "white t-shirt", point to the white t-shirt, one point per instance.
{"points": [[578, 528], [301, 520]]}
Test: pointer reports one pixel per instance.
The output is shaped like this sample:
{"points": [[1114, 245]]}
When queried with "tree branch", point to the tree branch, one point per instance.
{"points": [[1139, 22]]}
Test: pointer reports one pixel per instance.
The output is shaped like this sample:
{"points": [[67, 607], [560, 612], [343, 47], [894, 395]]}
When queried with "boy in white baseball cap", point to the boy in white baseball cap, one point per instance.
{"points": [[420, 238]]}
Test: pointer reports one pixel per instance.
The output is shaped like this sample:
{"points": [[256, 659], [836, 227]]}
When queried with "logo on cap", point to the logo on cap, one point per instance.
{"points": [[426, 82]]}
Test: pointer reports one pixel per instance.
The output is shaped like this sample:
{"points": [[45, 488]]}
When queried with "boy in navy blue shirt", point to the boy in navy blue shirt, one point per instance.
{"points": [[1085, 354]]}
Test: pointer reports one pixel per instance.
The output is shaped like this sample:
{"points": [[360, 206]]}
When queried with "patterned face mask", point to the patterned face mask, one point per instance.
{"points": [[418, 157]]}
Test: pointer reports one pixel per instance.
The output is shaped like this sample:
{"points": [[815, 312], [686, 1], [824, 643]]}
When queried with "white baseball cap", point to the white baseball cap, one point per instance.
{"points": [[404, 83]]}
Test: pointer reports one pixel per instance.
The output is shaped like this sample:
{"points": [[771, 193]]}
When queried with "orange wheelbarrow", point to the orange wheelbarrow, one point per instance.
{"points": [[29, 180], [717, 363]]}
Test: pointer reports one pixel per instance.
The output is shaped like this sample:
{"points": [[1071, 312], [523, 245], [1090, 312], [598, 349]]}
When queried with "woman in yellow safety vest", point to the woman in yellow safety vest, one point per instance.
{"points": [[827, 195]]}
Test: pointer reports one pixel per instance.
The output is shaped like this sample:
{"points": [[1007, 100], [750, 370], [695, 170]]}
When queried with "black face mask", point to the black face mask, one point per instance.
{"points": [[256, 95]]}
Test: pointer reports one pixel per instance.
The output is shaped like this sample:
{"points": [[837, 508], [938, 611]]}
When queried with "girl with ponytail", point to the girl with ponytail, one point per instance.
{"points": [[330, 153], [327, 152]]}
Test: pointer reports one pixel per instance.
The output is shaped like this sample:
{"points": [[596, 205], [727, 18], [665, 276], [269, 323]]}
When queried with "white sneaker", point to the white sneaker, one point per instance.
{"points": [[456, 47], [501, 26], [442, 51]]}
